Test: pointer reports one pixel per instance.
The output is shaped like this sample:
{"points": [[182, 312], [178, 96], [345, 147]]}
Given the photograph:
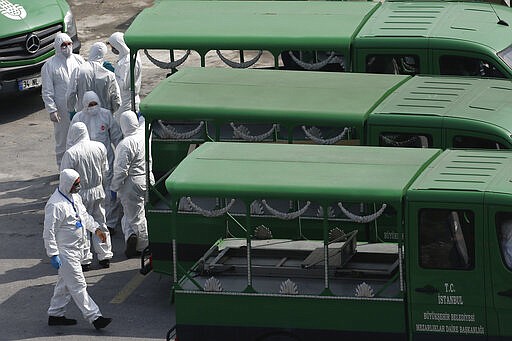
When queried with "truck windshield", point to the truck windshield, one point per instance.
{"points": [[506, 56]]}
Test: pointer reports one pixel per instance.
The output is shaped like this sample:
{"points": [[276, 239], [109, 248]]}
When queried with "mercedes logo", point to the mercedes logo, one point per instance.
{"points": [[32, 43]]}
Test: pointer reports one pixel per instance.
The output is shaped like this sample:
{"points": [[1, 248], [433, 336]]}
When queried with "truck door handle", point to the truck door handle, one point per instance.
{"points": [[427, 289], [505, 293]]}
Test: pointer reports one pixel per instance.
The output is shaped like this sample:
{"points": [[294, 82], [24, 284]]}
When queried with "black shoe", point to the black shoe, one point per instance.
{"points": [[112, 230], [86, 267], [60, 321], [105, 264], [131, 246], [101, 322]]}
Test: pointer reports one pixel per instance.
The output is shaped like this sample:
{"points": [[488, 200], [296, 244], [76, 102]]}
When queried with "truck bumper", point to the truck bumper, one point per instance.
{"points": [[10, 77]]}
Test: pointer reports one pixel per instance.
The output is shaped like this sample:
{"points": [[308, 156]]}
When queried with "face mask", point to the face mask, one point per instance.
{"points": [[66, 50], [92, 109], [75, 188]]}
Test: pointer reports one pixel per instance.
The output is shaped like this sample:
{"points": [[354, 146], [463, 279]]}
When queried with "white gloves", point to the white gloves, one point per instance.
{"points": [[55, 117]]}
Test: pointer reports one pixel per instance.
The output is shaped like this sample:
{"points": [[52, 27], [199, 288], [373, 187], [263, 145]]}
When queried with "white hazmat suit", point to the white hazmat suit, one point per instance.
{"points": [[89, 159], [56, 74], [102, 127], [93, 76], [65, 224], [122, 72], [129, 179]]}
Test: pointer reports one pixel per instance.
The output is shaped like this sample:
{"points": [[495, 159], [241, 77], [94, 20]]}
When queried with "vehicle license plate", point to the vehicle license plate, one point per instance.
{"points": [[29, 83]]}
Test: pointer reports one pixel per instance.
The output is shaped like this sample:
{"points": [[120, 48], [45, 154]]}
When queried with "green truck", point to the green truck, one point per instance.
{"points": [[447, 276], [288, 107], [440, 38], [27, 32]]}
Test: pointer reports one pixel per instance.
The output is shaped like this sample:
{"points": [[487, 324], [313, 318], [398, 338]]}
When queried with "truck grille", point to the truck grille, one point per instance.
{"points": [[15, 48]]}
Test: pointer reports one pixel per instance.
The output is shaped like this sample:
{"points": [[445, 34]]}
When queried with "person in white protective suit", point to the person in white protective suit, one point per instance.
{"points": [[129, 181], [102, 127], [55, 76], [65, 223], [122, 72], [89, 159], [506, 242], [93, 76]]}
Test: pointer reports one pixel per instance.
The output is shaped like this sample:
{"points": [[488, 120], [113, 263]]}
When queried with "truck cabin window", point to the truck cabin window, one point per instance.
{"points": [[504, 233], [506, 56], [472, 142], [467, 66], [446, 239], [392, 64], [405, 140]]}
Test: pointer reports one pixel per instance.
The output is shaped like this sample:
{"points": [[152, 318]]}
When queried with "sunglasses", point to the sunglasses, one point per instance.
{"points": [[64, 44]]}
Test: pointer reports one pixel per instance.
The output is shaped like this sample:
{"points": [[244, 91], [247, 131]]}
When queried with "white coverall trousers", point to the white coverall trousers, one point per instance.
{"points": [[134, 219], [61, 133], [71, 284], [96, 208]]}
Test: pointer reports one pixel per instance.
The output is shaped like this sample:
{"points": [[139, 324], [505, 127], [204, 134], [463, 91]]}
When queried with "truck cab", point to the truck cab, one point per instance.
{"points": [[458, 219], [442, 38], [27, 33]]}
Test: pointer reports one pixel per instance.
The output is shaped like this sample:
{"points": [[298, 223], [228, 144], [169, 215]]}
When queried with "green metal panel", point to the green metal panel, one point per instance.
{"points": [[225, 309], [470, 23], [467, 170], [267, 96], [41, 13], [323, 173], [258, 25]]}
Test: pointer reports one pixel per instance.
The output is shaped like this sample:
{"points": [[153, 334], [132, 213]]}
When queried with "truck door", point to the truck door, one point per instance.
{"points": [[500, 260], [446, 287]]}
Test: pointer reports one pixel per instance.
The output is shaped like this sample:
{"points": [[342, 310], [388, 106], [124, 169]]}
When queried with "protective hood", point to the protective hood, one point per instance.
{"points": [[78, 132], [90, 96], [59, 39], [129, 123], [117, 41], [97, 52], [67, 179]]}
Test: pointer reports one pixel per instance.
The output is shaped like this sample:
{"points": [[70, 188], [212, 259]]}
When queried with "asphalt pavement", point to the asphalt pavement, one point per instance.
{"points": [[139, 305]]}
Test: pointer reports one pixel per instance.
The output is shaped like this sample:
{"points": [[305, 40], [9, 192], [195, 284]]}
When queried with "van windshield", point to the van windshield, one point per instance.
{"points": [[506, 56]]}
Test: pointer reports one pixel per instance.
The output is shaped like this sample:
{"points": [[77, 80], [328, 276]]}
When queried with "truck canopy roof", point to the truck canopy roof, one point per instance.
{"points": [[440, 22], [470, 100], [268, 96], [274, 26], [319, 25], [481, 171], [304, 172]]}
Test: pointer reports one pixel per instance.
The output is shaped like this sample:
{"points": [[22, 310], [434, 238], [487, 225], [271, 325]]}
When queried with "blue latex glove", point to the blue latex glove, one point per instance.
{"points": [[113, 195], [108, 65], [71, 114], [56, 263]]}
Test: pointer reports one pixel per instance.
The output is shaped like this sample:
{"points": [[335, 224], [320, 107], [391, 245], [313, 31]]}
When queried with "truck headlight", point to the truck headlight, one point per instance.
{"points": [[69, 23]]}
